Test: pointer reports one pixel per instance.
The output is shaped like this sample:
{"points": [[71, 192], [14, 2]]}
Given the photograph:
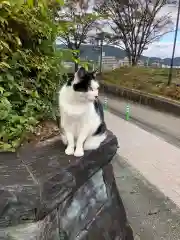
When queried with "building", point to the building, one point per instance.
{"points": [[156, 65], [140, 63], [109, 62], [69, 66], [125, 62]]}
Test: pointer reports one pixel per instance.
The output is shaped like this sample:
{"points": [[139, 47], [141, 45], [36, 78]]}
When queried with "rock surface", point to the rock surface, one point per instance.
{"points": [[47, 195]]}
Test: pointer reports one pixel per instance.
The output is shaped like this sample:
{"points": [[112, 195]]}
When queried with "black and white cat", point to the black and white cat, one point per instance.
{"points": [[82, 116]]}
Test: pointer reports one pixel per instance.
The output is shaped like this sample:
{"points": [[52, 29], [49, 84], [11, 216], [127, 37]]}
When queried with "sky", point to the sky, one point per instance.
{"points": [[164, 47]]}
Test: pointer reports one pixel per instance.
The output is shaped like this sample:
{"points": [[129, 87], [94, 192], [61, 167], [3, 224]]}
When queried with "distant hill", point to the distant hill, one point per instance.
{"points": [[88, 51]]}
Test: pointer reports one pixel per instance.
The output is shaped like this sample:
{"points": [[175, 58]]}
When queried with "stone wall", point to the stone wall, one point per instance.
{"points": [[47, 195]]}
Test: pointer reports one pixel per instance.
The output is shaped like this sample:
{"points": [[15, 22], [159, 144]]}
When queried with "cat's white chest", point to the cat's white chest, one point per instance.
{"points": [[77, 119], [80, 116]]}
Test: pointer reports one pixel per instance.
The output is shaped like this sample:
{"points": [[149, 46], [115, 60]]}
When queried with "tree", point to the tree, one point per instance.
{"points": [[78, 22], [135, 24]]}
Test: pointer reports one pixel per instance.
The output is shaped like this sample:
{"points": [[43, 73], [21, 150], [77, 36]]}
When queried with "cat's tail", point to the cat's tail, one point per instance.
{"points": [[94, 142]]}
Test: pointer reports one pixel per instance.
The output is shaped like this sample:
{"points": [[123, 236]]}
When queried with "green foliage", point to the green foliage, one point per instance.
{"points": [[30, 67], [75, 26]]}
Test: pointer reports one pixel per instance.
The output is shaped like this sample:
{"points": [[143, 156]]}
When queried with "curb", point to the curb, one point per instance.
{"points": [[156, 102]]}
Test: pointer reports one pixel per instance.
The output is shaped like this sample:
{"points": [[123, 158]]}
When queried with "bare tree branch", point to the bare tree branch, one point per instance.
{"points": [[136, 23]]}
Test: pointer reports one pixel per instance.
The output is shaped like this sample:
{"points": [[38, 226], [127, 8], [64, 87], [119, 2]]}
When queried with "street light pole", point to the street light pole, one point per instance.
{"points": [[174, 46], [101, 51], [98, 42]]}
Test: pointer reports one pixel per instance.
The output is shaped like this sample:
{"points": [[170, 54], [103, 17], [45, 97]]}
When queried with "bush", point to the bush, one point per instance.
{"points": [[30, 67]]}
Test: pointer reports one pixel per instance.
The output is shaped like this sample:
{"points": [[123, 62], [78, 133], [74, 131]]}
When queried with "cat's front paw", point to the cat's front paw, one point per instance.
{"points": [[79, 153], [69, 150]]}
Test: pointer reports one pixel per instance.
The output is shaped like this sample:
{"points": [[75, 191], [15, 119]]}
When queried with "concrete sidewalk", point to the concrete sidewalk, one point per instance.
{"points": [[158, 161]]}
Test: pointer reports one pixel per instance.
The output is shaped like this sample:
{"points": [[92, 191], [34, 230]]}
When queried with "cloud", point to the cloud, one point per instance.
{"points": [[162, 50], [164, 47], [172, 10]]}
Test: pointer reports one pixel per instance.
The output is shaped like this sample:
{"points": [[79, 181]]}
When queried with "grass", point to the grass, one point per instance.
{"points": [[149, 80]]}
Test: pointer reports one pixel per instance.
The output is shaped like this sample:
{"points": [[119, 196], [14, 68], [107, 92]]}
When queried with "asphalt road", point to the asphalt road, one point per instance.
{"points": [[159, 123], [151, 214]]}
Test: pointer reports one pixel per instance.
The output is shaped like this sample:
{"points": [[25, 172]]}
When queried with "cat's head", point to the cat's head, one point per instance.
{"points": [[85, 84]]}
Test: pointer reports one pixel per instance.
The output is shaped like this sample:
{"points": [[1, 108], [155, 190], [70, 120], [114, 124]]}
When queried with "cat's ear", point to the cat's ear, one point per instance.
{"points": [[79, 75], [81, 72], [95, 72]]}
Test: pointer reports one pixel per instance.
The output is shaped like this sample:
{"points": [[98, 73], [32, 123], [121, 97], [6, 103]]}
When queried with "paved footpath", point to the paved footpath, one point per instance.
{"points": [[161, 124], [155, 155], [156, 159]]}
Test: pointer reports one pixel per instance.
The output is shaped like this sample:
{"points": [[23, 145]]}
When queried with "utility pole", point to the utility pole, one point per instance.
{"points": [[174, 47], [97, 41], [101, 36]]}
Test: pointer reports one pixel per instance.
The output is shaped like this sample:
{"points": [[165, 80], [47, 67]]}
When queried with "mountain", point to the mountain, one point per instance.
{"points": [[89, 52]]}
